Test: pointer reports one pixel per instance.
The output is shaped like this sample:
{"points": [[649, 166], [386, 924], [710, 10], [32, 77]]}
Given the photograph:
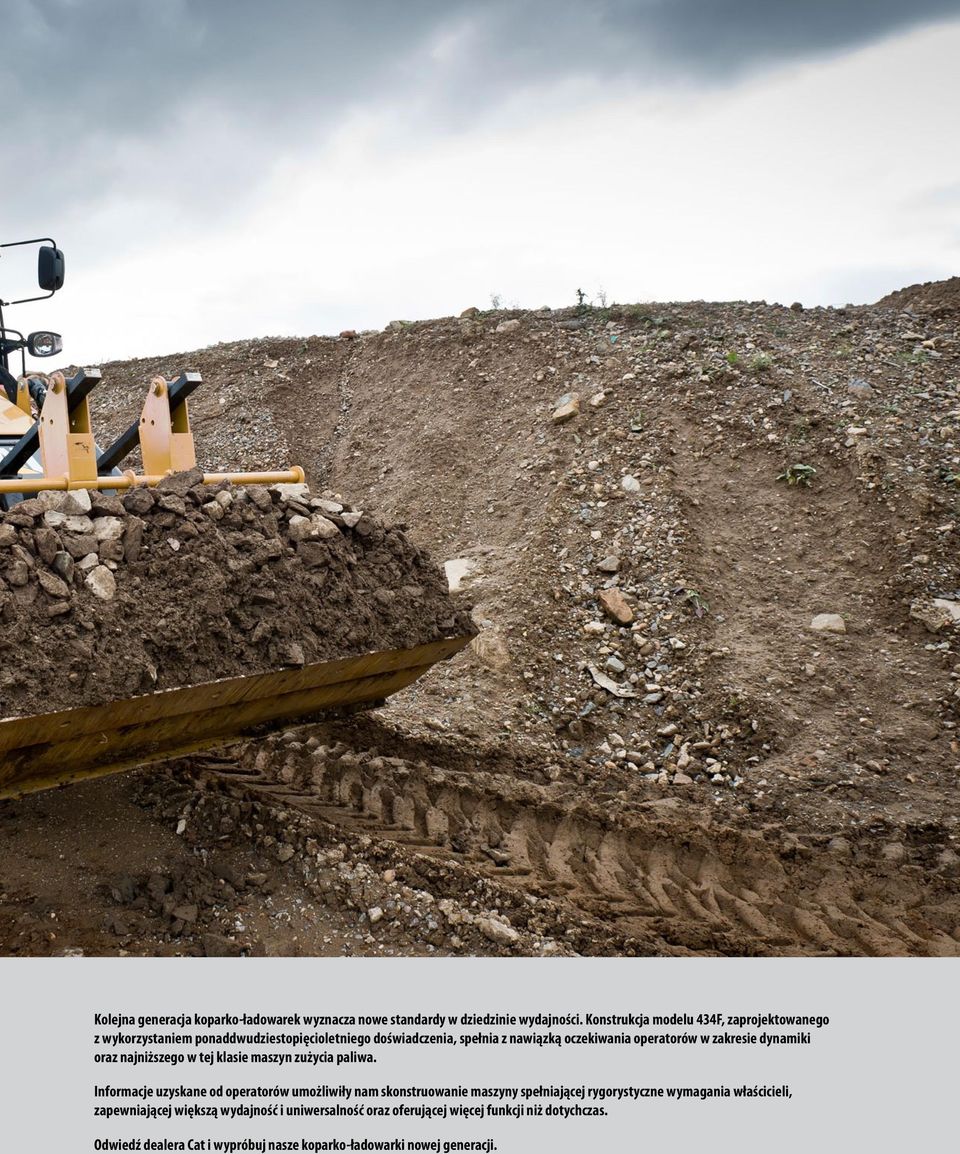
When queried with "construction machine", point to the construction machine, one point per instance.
{"points": [[47, 443]]}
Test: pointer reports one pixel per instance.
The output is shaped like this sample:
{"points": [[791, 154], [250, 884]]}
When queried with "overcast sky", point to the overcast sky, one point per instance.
{"points": [[221, 169]]}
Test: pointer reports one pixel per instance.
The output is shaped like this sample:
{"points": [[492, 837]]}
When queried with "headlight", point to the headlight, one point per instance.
{"points": [[44, 344]]}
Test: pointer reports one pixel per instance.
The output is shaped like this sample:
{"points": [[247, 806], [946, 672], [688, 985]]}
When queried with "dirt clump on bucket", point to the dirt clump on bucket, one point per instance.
{"points": [[107, 596]]}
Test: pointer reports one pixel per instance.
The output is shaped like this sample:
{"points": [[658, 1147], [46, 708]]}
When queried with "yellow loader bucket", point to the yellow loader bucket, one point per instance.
{"points": [[52, 749]]}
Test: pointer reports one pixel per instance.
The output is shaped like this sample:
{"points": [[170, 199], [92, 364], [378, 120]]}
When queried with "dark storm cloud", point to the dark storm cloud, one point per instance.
{"points": [[191, 99], [714, 38], [123, 65]]}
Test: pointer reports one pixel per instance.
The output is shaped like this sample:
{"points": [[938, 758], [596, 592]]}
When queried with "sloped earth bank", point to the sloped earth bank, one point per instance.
{"points": [[649, 747]]}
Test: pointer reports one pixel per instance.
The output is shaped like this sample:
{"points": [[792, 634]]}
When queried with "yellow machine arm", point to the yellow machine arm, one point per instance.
{"points": [[70, 460]]}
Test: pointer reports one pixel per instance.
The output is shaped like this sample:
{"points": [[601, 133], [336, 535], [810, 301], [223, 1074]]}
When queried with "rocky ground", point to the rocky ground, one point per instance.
{"points": [[711, 551]]}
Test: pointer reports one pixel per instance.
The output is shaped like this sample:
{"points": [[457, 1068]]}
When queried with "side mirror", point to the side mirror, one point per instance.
{"points": [[44, 344], [50, 269]]}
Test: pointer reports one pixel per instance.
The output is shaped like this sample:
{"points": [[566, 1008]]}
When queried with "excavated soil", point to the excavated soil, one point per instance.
{"points": [[936, 297], [712, 706], [105, 597]]}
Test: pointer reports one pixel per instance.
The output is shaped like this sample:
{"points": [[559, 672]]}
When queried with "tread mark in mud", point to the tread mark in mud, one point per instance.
{"points": [[730, 894]]}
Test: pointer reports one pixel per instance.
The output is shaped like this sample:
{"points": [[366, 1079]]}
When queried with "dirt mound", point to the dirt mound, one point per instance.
{"points": [[938, 297], [649, 455], [104, 597], [712, 553]]}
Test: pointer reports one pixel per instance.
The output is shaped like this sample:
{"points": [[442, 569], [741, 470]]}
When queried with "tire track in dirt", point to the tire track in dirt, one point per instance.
{"points": [[700, 890]]}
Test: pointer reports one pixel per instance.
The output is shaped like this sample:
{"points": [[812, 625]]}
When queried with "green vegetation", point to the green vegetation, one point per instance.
{"points": [[799, 475], [696, 601]]}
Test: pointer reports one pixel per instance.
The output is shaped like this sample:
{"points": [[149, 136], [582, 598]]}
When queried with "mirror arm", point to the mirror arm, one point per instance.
{"points": [[18, 244]]}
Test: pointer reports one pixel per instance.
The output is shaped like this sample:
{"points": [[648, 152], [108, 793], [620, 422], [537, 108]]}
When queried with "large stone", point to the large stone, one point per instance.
{"points": [[132, 539], [568, 408], [52, 584], [138, 500], [80, 544], [105, 504], [950, 608], [456, 570], [828, 623], [48, 543], [316, 528], [260, 496], [17, 572], [180, 483], [172, 503], [508, 326], [102, 583], [935, 613], [63, 565], [30, 508], [69, 502], [292, 491], [108, 528], [497, 931], [300, 528], [111, 550], [616, 606]]}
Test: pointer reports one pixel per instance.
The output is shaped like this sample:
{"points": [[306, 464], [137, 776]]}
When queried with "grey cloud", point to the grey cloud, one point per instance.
{"points": [[189, 100], [726, 37], [127, 65]]}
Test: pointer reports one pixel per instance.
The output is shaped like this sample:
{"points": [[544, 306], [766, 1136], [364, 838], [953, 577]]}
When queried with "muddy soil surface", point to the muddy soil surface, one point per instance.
{"points": [[711, 552], [95, 870]]}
